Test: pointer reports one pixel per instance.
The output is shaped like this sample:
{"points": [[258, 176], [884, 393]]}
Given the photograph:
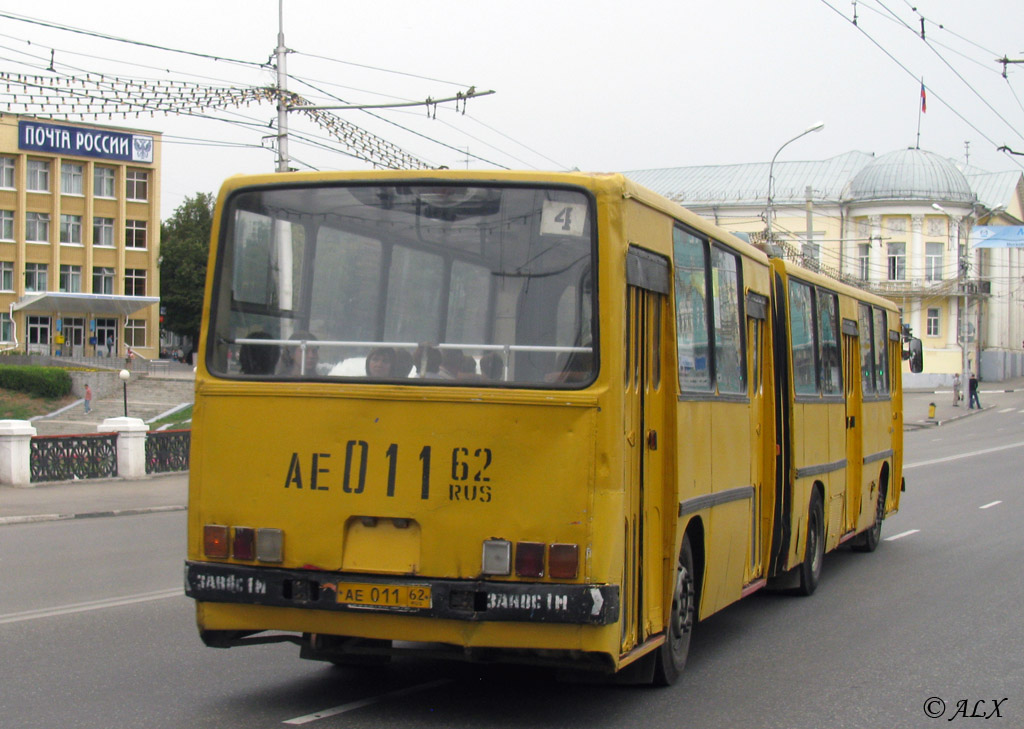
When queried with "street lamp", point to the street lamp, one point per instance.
{"points": [[125, 375], [771, 178], [961, 275]]}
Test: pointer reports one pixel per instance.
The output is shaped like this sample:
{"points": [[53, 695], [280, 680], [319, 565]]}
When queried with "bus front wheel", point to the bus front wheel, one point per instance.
{"points": [[814, 551], [671, 657]]}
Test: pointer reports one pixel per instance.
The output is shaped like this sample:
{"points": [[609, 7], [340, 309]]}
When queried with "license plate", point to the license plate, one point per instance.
{"points": [[375, 595]]}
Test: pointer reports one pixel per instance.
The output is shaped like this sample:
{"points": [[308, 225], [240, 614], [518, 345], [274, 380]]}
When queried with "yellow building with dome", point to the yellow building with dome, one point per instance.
{"points": [[897, 225]]}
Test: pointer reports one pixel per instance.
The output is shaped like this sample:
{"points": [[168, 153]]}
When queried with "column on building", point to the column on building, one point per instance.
{"points": [[916, 273], [877, 260], [953, 333]]}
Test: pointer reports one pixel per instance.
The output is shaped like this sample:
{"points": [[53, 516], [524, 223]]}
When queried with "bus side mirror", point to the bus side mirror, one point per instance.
{"points": [[915, 353]]}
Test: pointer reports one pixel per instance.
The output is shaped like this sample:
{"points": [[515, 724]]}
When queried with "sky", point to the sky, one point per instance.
{"points": [[593, 85]]}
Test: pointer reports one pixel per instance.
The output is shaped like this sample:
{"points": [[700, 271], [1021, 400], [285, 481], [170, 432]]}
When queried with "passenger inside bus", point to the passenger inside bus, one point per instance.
{"points": [[428, 360], [258, 359], [380, 363], [492, 367], [292, 360]]}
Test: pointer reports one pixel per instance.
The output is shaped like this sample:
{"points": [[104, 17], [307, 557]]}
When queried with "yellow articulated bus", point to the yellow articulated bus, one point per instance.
{"points": [[529, 417]]}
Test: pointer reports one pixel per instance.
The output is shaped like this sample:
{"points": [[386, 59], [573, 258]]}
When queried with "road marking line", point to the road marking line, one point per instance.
{"points": [[82, 607], [894, 537], [364, 702], [1007, 410], [962, 455], [988, 506]]}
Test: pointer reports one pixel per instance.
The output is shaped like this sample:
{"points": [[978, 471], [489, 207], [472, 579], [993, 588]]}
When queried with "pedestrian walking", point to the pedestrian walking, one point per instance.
{"points": [[88, 398], [956, 390], [973, 388]]}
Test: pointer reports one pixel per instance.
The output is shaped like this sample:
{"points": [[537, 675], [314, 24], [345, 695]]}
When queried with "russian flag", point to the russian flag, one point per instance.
{"points": [[924, 100]]}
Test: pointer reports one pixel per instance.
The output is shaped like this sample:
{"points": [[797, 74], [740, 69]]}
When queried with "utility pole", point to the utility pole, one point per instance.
{"points": [[282, 86]]}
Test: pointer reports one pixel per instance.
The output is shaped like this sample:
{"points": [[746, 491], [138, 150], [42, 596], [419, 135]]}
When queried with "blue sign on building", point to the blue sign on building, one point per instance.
{"points": [[997, 236], [83, 142]]}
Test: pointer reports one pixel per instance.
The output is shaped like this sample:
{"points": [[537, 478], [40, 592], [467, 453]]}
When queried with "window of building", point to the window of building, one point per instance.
{"points": [[864, 261], [102, 280], [897, 261], [135, 234], [35, 276], [933, 323], [38, 175], [6, 328], [6, 275], [71, 175], [810, 247], [6, 225], [71, 229], [7, 172], [103, 181], [135, 332], [70, 279], [137, 184], [933, 261], [135, 282], [103, 232], [37, 227]]}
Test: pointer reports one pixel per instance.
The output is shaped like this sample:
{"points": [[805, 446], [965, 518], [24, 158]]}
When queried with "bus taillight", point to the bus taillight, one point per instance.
{"points": [[243, 545], [497, 557], [530, 559], [564, 561], [269, 545], [215, 541], [246, 543]]}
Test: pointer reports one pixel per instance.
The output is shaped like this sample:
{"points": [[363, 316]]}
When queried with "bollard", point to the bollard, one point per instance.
{"points": [[931, 411]]}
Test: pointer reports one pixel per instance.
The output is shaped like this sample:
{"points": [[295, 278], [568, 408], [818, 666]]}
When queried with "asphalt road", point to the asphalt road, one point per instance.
{"points": [[95, 631]]}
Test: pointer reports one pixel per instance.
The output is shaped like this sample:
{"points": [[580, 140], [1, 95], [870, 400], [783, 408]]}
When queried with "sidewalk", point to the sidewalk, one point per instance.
{"points": [[93, 498], [916, 403]]}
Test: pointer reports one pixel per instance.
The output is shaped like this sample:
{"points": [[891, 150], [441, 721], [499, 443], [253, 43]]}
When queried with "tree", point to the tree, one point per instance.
{"points": [[184, 248]]}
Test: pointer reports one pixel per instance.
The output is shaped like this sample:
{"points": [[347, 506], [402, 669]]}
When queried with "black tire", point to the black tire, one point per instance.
{"points": [[671, 656], [868, 540], [814, 549]]}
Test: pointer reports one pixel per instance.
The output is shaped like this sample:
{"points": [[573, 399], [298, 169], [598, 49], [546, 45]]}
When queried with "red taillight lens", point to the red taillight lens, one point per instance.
{"points": [[530, 559], [243, 546], [564, 561], [215, 541]]}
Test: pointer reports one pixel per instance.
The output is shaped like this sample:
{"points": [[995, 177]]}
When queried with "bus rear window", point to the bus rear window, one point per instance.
{"points": [[415, 284]]}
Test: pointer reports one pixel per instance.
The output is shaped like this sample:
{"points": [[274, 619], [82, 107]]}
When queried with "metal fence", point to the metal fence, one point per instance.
{"points": [[67, 457], [167, 450]]}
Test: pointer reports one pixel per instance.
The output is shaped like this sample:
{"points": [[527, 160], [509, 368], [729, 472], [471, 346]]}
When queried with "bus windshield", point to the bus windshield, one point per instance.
{"points": [[415, 284]]}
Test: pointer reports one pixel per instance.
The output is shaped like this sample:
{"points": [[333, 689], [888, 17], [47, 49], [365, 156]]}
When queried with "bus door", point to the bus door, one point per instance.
{"points": [[757, 314], [854, 425], [646, 441]]}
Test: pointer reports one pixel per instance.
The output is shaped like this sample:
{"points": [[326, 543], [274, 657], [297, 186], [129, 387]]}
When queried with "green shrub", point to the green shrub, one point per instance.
{"points": [[51, 382]]}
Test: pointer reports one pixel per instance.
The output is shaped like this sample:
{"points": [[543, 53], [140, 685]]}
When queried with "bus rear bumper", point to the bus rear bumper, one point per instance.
{"points": [[473, 600]]}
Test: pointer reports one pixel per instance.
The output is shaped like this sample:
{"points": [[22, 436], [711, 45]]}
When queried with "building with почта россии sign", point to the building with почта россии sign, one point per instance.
{"points": [[79, 238]]}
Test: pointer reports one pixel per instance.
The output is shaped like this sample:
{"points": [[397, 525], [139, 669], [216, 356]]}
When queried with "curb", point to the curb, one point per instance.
{"points": [[35, 518], [918, 424]]}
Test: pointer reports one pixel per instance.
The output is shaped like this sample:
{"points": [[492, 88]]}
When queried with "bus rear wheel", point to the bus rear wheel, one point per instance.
{"points": [[869, 539], [671, 657], [814, 551]]}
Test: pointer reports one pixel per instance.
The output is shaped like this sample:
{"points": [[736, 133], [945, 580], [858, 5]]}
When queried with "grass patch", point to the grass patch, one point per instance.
{"points": [[22, 406], [176, 421]]}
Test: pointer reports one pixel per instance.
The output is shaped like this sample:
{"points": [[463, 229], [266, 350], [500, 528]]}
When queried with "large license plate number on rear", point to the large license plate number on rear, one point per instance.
{"points": [[383, 596]]}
